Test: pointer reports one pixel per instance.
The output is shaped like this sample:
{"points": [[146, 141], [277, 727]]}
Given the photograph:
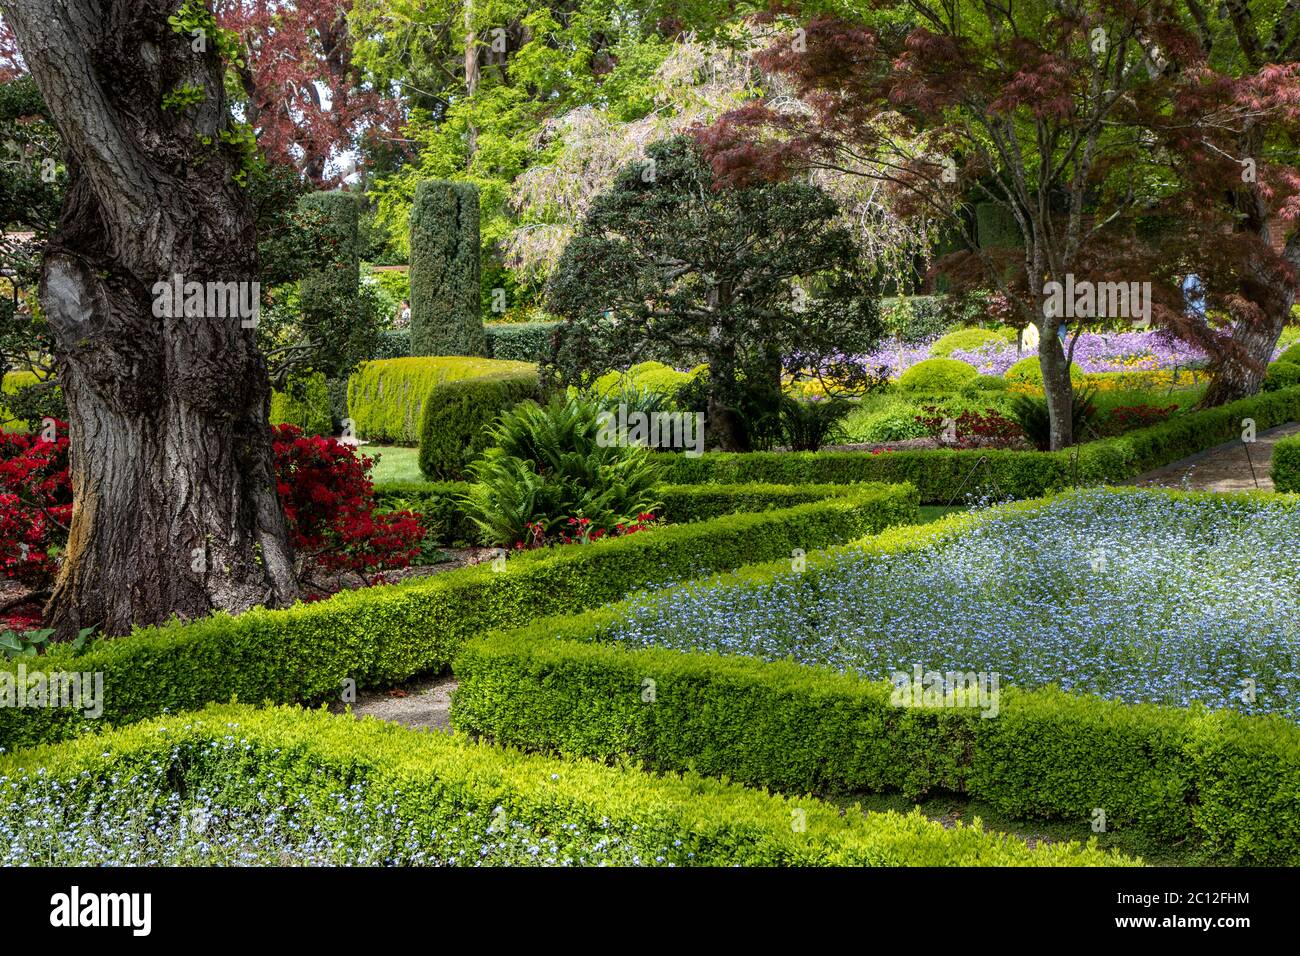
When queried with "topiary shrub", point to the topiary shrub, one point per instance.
{"points": [[988, 383], [1286, 464], [653, 377], [446, 308], [1281, 374], [937, 375], [386, 398], [967, 340], [1029, 371], [522, 341], [305, 404], [458, 418]]}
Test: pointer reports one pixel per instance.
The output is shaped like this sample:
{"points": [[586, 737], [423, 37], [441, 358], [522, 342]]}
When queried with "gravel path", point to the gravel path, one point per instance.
{"points": [[422, 704], [1225, 467]]}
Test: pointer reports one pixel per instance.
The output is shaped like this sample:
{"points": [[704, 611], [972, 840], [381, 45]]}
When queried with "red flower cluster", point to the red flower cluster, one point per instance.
{"points": [[329, 504], [583, 532], [35, 503], [1125, 418], [971, 429]]}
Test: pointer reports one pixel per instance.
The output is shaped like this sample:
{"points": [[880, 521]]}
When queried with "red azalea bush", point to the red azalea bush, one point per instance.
{"points": [[35, 503], [329, 504], [971, 429], [1123, 418], [581, 531]]}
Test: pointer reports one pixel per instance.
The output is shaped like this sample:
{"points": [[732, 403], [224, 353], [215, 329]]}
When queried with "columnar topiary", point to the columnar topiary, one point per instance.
{"points": [[446, 318]]}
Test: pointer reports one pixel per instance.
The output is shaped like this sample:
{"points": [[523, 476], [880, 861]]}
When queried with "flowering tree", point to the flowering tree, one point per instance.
{"points": [[1073, 119]]}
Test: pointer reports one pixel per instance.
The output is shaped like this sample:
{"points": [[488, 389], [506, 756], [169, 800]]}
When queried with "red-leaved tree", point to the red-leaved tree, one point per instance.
{"points": [[1127, 140]]}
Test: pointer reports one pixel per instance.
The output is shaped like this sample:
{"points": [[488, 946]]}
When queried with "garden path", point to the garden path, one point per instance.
{"points": [[1225, 467], [422, 704]]}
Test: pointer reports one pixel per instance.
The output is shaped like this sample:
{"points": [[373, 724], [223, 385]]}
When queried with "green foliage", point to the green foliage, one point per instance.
{"points": [[1031, 414], [988, 383], [547, 465], [808, 425], [1291, 354], [1286, 464], [522, 341], [1281, 374], [458, 417], [915, 318], [1175, 773], [654, 377], [183, 97], [939, 474], [446, 310], [967, 340], [386, 398], [383, 635], [442, 783], [307, 406], [937, 375], [1029, 370], [28, 398]]}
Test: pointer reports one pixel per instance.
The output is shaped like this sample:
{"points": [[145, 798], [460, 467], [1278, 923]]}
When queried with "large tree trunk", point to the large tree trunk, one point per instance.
{"points": [[175, 505], [1057, 389], [1271, 287]]}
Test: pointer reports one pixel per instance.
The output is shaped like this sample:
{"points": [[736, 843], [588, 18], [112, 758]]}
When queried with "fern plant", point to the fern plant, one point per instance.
{"points": [[547, 465]]}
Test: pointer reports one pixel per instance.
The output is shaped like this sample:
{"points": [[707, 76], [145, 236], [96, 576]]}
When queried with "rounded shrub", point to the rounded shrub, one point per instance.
{"points": [[1281, 374], [459, 415], [1286, 464], [937, 375], [1292, 354], [1028, 370], [988, 383], [967, 340]]}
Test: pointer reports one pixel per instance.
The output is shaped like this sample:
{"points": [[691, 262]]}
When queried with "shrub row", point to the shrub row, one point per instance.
{"points": [[454, 430], [439, 502], [940, 475], [1229, 780], [522, 341], [441, 782], [1286, 464], [387, 634], [386, 398]]}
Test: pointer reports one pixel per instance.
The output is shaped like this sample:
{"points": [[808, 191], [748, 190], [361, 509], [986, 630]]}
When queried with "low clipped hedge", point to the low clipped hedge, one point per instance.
{"points": [[443, 782], [522, 341], [310, 411], [386, 397], [444, 516], [1228, 780], [939, 475], [384, 635], [454, 430], [1286, 464]]}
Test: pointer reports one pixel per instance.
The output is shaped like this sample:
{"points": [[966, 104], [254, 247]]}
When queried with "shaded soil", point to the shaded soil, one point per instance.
{"points": [[423, 704]]}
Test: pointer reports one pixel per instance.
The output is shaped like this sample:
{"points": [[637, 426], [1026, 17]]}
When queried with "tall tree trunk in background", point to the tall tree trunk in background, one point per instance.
{"points": [[1274, 291], [175, 504], [471, 77]]}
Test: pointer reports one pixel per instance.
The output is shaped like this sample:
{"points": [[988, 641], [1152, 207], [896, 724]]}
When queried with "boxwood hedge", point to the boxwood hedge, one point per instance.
{"points": [[1228, 780], [383, 635], [443, 781], [1286, 464], [457, 416], [940, 475]]}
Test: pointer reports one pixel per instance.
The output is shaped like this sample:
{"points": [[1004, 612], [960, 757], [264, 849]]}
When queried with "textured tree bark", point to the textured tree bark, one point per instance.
{"points": [[175, 505], [1242, 371]]}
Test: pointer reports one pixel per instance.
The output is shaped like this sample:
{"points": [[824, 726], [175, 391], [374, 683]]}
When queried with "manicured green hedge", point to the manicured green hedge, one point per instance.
{"points": [[311, 412], [386, 398], [1281, 375], [458, 415], [1231, 781], [1286, 464], [384, 635], [439, 502], [443, 781], [522, 341], [446, 306], [941, 474]]}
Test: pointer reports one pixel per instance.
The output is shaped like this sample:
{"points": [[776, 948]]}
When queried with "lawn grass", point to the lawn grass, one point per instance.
{"points": [[393, 464]]}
